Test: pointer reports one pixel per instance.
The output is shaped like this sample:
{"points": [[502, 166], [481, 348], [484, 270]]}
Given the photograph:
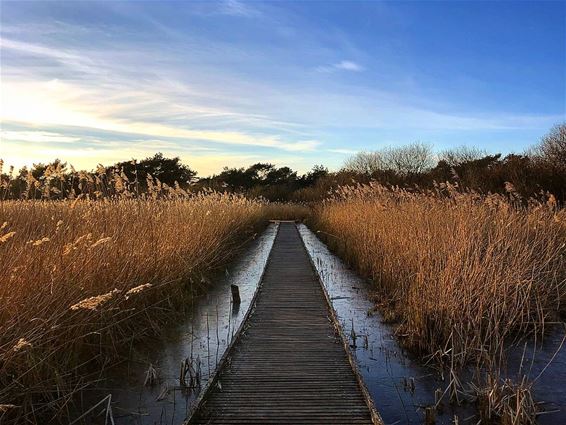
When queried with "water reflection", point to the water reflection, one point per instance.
{"points": [[400, 386], [198, 343]]}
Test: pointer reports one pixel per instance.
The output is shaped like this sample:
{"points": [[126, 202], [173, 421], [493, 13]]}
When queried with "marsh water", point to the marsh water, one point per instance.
{"points": [[201, 339], [401, 386]]}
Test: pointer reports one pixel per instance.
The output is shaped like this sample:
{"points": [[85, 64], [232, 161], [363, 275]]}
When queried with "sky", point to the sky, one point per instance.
{"points": [[231, 83]]}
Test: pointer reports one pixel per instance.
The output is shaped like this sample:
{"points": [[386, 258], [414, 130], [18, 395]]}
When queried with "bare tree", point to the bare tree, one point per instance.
{"points": [[552, 148], [410, 159], [459, 155], [364, 162]]}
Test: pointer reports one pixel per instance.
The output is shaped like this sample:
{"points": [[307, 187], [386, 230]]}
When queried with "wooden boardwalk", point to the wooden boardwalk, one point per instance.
{"points": [[289, 364]]}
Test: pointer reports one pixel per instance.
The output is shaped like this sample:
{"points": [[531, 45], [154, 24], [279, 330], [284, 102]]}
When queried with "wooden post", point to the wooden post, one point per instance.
{"points": [[235, 294]]}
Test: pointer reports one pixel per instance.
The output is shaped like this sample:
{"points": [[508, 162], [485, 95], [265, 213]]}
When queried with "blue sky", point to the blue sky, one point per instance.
{"points": [[294, 83]]}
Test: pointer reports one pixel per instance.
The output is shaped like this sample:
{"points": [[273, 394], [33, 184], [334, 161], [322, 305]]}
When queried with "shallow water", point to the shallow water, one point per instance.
{"points": [[389, 371], [400, 386], [202, 339], [386, 368], [545, 363]]}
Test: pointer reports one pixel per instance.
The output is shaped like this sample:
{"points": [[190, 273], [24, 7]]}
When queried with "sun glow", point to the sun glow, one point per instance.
{"points": [[61, 104]]}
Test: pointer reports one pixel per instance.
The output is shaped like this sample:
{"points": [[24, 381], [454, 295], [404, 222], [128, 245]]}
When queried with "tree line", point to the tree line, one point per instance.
{"points": [[540, 170]]}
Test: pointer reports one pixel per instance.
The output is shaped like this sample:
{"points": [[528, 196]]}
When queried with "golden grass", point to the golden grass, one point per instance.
{"points": [[80, 279], [462, 275], [287, 211], [460, 272]]}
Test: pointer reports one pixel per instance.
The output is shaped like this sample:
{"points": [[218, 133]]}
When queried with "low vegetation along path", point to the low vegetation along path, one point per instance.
{"points": [[289, 364]]}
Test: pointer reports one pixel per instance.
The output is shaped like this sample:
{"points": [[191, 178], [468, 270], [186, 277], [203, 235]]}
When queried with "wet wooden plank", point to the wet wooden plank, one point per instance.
{"points": [[289, 364]]}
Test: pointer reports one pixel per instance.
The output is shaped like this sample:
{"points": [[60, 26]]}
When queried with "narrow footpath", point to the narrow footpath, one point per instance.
{"points": [[289, 364]]}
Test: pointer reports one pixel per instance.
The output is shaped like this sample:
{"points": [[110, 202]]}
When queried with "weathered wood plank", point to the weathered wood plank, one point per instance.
{"points": [[289, 364]]}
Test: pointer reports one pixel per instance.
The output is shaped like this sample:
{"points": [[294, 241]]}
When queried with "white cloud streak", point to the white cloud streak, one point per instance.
{"points": [[349, 66], [239, 8], [344, 65]]}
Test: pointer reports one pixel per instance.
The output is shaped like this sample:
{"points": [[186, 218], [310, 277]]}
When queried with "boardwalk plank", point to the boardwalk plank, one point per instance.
{"points": [[288, 365]]}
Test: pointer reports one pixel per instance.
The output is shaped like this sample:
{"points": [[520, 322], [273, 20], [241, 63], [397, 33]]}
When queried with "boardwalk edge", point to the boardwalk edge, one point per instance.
{"points": [[213, 379], [375, 416]]}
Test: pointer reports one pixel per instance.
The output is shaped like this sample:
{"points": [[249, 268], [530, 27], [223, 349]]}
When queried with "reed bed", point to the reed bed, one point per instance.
{"points": [[80, 279], [287, 211], [461, 274]]}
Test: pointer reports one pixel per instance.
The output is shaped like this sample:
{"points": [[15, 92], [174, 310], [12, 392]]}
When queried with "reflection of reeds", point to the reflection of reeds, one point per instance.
{"points": [[150, 376], [79, 279], [460, 273]]}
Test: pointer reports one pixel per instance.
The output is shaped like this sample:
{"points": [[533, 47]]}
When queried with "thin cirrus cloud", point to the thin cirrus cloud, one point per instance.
{"points": [[44, 147], [344, 65], [37, 137], [106, 153], [71, 103], [349, 66], [239, 8], [246, 81]]}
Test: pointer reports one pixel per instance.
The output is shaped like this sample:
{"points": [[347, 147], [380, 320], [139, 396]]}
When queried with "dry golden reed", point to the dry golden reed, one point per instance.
{"points": [[462, 275], [80, 278], [460, 272]]}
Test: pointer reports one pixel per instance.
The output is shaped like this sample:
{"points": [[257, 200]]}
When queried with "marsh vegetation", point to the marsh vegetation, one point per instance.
{"points": [[82, 279], [462, 276], [467, 256]]}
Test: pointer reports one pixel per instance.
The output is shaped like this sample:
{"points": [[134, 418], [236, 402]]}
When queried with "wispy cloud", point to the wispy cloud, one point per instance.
{"points": [[65, 58], [115, 148], [239, 8], [343, 151], [349, 66], [119, 104], [125, 77], [37, 137], [345, 65], [86, 156]]}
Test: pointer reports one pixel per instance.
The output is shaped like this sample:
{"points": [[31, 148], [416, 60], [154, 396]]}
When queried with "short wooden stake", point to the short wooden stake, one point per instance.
{"points": [[235, 294]]}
